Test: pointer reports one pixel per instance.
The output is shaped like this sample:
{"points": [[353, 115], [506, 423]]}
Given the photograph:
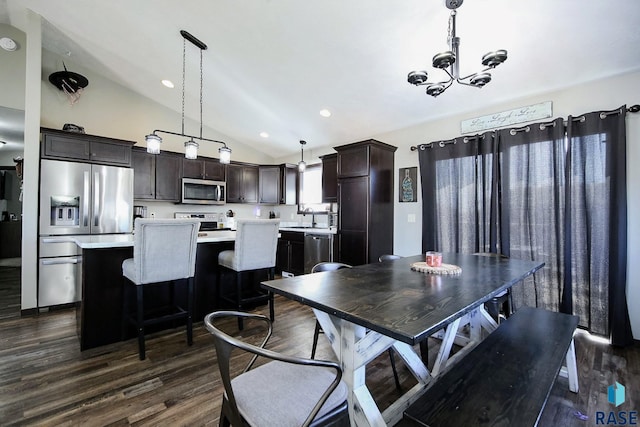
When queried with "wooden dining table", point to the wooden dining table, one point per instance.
{"points": [[369, 308]]}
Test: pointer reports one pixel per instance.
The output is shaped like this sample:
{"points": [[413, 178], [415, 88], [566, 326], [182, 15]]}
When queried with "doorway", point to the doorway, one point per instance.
{"points": [[10, 242]]}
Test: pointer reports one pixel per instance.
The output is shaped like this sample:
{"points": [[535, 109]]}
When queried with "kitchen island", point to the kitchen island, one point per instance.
{"points": [[99, 315]]}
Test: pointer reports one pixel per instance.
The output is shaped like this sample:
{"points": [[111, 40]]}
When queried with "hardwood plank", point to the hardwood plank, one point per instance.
{"points": [[46, 380]]}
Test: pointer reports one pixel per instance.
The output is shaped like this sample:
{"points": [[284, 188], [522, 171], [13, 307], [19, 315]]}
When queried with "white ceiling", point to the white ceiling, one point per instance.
{"points": [[273, 64]]}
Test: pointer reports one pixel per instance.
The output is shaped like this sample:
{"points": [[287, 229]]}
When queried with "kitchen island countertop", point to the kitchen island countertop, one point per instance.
{"points": [[101, 241]]}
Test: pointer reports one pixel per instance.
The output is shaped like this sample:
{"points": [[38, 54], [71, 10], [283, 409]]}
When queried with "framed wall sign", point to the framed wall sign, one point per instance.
{"points": [[506, 118], [408, 181]]}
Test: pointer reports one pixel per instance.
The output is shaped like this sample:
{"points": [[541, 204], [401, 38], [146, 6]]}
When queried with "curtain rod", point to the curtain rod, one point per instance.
{"points": [[633, 109]]}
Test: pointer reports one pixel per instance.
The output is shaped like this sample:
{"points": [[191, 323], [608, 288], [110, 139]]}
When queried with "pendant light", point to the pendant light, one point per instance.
{"points": [[190, 147], [302, 165]]}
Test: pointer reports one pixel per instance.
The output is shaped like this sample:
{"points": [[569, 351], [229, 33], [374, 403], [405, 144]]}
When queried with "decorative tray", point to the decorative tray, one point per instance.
{"points": [[448, 269]]}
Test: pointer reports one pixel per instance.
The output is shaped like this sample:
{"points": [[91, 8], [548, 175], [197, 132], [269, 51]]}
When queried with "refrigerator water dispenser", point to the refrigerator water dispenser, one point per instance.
{"points": [[65, 211]]}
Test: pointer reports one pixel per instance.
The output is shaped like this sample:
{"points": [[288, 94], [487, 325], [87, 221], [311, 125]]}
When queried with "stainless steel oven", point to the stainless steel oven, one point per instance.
{"points": [[203, 192]]}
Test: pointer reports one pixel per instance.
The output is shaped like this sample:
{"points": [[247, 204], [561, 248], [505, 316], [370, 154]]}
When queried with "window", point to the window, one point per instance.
{"points": [[310, 190]]}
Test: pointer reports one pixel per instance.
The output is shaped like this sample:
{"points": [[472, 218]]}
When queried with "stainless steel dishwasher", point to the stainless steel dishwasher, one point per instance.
{"points": [[317, 248]]}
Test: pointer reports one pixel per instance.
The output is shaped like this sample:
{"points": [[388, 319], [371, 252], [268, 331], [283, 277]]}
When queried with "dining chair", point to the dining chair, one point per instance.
{"points": [[501, 305], [388, 257], [333, 266], [255, 249], [163, 251], [285, 391]]}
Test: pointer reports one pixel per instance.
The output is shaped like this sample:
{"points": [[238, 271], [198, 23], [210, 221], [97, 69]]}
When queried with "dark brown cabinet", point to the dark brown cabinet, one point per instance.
{"points": [[144, 174], [269, 181], [365, 201], [62, 145], [288, 184], [329, 178], [203, 168], [156, 176], [242, 183], [290, 253], [278, 184]]}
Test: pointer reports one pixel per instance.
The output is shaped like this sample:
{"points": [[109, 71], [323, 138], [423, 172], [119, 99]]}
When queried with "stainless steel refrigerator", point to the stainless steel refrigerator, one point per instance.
{"points": [[77, 199]]}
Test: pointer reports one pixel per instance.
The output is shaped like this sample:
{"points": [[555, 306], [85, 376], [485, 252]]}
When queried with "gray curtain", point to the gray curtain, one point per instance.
{"points": [[545, 191], [459, 207], [532, 187]]}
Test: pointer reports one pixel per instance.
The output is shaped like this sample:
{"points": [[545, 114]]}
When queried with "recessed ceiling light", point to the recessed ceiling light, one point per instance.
{"points": [[168, 83], [8, 44], [264, 134], [325, 113]]}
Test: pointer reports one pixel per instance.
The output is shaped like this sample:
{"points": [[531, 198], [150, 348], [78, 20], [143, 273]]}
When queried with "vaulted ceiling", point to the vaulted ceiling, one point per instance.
{"points": [[272, 65]]}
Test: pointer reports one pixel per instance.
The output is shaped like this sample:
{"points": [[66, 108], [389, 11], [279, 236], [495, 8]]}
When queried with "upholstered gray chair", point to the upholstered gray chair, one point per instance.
{"points": [[255, 249], [163, 251], [286, 391], [333, 266], [501, 305]]}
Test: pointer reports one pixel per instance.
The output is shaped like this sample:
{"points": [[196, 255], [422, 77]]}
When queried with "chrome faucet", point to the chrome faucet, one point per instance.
{"points": [[313, 216]]}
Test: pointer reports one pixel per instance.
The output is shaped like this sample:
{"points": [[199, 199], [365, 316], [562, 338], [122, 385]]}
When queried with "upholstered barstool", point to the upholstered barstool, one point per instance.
{"points": [[163, 251], [255, 249]]}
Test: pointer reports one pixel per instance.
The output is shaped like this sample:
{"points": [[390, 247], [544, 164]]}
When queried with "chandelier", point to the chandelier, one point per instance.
{"points": [[449, 62], [191, 147]]}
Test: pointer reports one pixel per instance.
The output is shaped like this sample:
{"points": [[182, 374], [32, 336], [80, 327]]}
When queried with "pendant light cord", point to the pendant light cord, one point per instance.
{"points": [[200, 93], [184, 55]]}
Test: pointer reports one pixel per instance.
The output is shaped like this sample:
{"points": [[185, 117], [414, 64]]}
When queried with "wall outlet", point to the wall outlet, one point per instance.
{"points": [[411, 218], [293, 216]]}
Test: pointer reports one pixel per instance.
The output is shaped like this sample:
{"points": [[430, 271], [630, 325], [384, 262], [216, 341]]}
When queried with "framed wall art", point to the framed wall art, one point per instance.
{"points": [[408, 181]]}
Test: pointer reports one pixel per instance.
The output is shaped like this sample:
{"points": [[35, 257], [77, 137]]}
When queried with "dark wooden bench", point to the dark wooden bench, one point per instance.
{"points": [[506, 379]]}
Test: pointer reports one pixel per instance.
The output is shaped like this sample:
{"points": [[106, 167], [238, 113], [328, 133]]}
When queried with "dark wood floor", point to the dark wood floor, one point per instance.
{"points": [[46, 380]]}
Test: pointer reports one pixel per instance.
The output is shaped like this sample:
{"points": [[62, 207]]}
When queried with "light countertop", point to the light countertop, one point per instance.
{"points": [[102, 241], [310, 230]]}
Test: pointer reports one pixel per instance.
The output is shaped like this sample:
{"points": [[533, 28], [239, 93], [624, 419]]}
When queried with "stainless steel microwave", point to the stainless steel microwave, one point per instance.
{"points": [[203, 192]]}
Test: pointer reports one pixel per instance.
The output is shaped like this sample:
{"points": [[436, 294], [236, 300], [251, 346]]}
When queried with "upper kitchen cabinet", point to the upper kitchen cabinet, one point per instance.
{"points": [[365, 201], [63, 145], [144, 174], [277, 184], [242, 183], [288, 183], [203, 168], [353, 160], [329, 178], [156, 176]]}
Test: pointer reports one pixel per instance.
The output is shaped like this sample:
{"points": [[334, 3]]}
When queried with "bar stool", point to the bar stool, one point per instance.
{"points": [[163, 251], [255, 249]]}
